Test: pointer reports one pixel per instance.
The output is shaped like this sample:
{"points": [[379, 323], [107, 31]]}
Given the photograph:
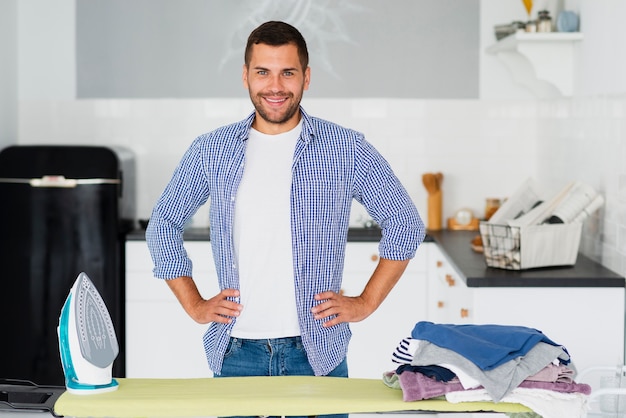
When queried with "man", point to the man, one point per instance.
{"points": [[280, 185]]}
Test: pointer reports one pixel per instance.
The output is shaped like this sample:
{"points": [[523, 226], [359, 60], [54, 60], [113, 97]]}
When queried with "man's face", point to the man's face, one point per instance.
{"points": [[275, 81]]}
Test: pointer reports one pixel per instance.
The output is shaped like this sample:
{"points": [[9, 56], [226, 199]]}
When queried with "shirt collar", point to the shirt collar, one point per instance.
{"points": [[308, 130]]}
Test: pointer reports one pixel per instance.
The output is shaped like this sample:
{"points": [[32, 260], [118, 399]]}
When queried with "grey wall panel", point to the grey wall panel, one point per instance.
{"points": [[358, 48]]}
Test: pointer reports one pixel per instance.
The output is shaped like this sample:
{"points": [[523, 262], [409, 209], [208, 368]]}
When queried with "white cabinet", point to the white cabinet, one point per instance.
{"points": [[161, 339], [449, 299], [589, 322], [375, 338]]}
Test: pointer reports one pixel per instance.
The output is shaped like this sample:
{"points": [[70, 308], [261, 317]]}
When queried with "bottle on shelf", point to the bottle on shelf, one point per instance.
{"points": [[544, 22]]}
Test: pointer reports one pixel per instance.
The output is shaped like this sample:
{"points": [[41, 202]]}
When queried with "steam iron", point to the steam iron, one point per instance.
{"points": [[87, 341]]}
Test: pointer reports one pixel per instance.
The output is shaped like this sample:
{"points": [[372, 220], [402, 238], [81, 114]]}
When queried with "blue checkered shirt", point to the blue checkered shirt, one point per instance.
{"points": [[332, 165]]}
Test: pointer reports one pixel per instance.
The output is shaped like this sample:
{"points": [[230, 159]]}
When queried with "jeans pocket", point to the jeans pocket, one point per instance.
{"points": [[234, 345]]}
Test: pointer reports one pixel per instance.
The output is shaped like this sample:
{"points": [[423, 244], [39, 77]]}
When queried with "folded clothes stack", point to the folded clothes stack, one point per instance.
{"points": [[499, 363]]}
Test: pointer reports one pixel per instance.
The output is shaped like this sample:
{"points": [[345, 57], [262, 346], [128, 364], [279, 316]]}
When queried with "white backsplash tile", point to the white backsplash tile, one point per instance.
{"points": [[484, 148]]}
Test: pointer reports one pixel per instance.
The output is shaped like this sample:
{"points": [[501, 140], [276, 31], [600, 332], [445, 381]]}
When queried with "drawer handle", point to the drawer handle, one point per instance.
{"points": [[439, 263], [464, 313], [440, 304], [374, 257], [450, 280]]}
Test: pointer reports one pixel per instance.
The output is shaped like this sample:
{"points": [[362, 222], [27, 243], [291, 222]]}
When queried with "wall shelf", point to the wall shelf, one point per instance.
{"points": [[542, 62]]}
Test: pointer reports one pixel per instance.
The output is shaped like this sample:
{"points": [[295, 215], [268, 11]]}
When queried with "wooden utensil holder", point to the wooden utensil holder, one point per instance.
{"points": [[434, 211]]}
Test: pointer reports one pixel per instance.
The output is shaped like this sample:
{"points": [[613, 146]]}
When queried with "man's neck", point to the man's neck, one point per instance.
{"points": [[270, 128]]}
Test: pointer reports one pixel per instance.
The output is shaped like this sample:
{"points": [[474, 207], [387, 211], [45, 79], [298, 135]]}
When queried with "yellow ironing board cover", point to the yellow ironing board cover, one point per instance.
{"points": [[279, 395]]}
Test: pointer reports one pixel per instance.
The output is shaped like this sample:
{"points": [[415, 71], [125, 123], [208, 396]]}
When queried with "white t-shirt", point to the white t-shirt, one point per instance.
{"points": [[262, 238]]}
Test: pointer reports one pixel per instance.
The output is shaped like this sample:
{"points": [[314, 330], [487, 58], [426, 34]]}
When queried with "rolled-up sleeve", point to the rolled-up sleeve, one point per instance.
{"points": [[184, 194], [386, 200]]}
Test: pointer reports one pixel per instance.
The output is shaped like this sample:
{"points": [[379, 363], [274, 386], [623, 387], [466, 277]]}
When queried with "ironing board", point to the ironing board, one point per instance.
{"points": [[279, 395]]}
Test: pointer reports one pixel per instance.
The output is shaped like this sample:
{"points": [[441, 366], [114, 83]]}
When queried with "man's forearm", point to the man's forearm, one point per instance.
{"points": [[186, 291], [384, 278]]}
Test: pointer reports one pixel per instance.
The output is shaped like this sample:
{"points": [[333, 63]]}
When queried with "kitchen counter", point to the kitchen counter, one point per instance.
{"points": [[202, 234], [471, 265]]}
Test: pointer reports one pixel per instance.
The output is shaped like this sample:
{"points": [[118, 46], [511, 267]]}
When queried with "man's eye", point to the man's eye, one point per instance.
{"points": [[288, 73], [262, 72]]}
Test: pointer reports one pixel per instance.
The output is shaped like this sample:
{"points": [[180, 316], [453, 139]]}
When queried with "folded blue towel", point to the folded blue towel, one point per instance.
{"points": [[488, 346]]}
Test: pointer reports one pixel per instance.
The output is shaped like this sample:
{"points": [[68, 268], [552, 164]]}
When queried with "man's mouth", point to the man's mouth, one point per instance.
{"points": [[275, 100]]}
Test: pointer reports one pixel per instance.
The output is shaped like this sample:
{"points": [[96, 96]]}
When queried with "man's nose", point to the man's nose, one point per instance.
{"points": [[276, 83]]}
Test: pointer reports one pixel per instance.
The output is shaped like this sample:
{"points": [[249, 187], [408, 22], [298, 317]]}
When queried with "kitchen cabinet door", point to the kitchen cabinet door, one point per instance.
{"points": [[450, 301], [162, 341], [375, 338]]}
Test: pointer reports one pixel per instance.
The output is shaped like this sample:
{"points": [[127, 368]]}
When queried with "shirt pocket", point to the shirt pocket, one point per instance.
{"points": [[326, 201]]}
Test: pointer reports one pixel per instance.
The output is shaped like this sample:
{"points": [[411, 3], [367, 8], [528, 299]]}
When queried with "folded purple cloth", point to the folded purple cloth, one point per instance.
{"points": [[583, 388], [553, 373], [416, 386]]}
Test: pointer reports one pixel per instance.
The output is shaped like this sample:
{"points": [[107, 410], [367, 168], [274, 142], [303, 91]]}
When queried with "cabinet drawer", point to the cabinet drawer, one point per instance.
{"points": [[449, 299], [361, 256]]}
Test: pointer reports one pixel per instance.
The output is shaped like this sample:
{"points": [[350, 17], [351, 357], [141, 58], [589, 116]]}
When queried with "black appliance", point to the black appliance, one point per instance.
{"points": [[63, 210]]}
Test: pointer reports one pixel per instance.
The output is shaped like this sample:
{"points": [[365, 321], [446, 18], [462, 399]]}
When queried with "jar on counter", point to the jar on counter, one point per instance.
{"points": [[544, 22], [491, 206]]}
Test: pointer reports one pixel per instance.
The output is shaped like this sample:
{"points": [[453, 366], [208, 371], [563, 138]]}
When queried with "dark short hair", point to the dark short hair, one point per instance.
{"points": [[276, 33]]}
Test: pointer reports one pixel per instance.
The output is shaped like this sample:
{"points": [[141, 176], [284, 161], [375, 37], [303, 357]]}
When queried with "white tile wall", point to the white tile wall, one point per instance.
{"points": [[484, 148], [585, 139]]}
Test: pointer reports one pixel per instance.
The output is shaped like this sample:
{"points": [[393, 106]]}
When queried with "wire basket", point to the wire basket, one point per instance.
{"points": [[533, 246]]}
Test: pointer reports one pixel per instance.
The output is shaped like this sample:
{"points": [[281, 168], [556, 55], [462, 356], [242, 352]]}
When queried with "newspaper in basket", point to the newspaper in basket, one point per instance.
{"points": [[531, 246]]}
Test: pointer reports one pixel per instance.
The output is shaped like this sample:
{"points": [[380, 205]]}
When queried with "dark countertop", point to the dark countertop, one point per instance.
{"points": [[585, 273], [456, 245], [202, 234]]}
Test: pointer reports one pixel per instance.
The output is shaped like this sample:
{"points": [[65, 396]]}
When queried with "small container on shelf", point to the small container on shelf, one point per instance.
{"points": [[544, 22], [531, 26], [567, 21]]}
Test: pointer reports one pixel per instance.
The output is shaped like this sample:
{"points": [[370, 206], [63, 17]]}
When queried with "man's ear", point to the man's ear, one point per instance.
{"points": [[244, 76], [307, 78]]}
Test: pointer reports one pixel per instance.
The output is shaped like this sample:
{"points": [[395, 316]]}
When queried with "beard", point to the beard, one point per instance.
{"points": [[272, 116]]}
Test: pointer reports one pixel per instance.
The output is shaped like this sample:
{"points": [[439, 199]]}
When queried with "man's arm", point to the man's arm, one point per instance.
{"points": [[357, 308], [203, 311]]}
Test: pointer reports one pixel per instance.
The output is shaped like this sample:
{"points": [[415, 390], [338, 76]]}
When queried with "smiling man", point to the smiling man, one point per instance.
{"points": [[276, 77], [280, 185]]}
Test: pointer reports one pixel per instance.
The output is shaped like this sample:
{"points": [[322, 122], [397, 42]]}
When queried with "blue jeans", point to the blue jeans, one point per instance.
{"points": [[272, 357]]}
